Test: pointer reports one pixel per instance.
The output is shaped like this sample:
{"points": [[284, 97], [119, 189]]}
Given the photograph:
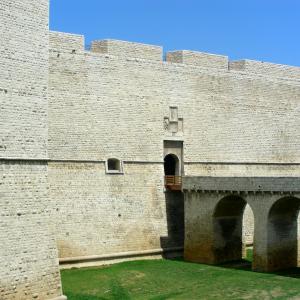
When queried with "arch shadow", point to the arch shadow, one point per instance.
{"points": [[282, 229], [228, 229]]}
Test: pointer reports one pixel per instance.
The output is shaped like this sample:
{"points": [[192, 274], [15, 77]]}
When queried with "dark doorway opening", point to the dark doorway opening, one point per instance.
{"points": [[171, 165], [174, 205]]}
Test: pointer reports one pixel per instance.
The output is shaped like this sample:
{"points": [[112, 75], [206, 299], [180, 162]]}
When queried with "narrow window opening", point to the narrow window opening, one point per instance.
{"points": [[114, 165]]}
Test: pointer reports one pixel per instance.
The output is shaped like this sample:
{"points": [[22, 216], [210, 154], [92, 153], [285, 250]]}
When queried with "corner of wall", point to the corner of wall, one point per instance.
{"points": [[61, 41]]}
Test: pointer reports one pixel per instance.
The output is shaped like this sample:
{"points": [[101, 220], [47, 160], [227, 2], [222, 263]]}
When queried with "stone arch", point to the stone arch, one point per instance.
{"points": [[228, 228], [172, 165], [282, 234]]}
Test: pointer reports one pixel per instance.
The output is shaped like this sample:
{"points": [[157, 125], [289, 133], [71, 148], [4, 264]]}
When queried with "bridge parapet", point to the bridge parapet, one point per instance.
{"points": [[241, 184]]}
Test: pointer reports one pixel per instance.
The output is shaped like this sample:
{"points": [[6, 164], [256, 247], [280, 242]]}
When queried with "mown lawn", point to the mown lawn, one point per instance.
{"points": [[176, 279]]}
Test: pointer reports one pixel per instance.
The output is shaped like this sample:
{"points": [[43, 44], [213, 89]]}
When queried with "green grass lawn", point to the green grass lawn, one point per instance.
{"points": [[176, 279]]}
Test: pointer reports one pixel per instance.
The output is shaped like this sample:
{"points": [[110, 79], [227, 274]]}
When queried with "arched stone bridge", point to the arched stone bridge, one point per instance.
{"points": [[214, 209]]}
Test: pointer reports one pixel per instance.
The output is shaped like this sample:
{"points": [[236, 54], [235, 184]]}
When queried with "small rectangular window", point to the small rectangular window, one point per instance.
{"points": [[114, 166]]}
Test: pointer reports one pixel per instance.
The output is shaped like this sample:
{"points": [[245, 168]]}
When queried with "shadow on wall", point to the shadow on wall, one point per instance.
{"points": [[175, 220]]}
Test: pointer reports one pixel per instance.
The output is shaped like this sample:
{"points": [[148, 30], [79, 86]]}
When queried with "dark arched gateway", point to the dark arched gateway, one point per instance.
{"points": [[172, 172]]}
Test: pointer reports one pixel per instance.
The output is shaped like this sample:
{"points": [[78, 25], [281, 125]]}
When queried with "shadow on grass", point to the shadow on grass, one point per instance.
{"points": [[246, 265], [294, 273]]}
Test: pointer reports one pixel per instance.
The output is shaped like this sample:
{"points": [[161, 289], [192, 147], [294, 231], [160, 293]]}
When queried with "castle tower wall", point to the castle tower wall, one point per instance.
{"points": [[28, 254]]}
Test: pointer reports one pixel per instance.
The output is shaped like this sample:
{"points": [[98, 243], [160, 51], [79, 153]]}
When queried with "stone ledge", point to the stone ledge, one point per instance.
{"points": [[95, 260]]}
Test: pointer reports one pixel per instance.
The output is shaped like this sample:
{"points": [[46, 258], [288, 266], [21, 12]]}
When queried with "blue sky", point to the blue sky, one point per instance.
{"points": [[266, 30]]}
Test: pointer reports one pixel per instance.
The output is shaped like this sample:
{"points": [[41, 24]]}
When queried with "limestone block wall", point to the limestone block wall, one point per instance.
{"points": [[99, 214], [243, 120], [113, 102], [28, 254], [264, 68], [236, 117], [66, 41], [128, 49], [23, 78], [198, 59], [115, 96]]}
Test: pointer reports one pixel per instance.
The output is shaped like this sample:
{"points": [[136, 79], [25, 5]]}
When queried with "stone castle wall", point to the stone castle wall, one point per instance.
{"points": [[110, 100], [28, 253], [235, 119], [24, 79], [106, 214], [65, 112]]}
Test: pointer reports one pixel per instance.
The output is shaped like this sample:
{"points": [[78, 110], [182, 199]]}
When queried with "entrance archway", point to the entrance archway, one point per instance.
{"points": [[283, 234], [228, 229], [171, 165]]}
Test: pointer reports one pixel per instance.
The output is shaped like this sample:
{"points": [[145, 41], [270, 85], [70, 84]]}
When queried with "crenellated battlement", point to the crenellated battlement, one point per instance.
{"points": [[75, 43], [128, 49], [265, 68], [200, 59]]}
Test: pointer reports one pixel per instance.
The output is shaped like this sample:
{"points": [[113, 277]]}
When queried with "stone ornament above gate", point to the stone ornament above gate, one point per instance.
{"points": [[173, 124]]}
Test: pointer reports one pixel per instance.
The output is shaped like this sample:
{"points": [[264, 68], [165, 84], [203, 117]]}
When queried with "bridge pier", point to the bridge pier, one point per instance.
{"points": [[213, 228], [198, 243]]}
